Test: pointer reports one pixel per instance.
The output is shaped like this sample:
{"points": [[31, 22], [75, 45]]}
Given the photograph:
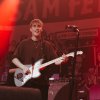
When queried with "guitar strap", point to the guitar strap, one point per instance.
{"points": [[43, 49]]}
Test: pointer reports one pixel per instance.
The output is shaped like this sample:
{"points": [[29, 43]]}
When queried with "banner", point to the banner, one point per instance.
{"points": [[57, 10]]}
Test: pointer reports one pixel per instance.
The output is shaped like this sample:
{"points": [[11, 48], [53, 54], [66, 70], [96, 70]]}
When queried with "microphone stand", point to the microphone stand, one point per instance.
{"points": [[72, 28], [72, 80]]}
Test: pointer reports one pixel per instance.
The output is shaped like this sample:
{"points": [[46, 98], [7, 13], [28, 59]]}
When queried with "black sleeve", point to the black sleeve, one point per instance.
{"points": [[50, 51], [18, 51]]}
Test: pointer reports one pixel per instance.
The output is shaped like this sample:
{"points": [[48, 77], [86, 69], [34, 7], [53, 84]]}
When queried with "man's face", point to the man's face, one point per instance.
{"points": [[36, 29]]}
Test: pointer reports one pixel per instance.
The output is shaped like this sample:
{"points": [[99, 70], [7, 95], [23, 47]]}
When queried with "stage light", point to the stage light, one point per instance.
{"points": [[8, 11]]}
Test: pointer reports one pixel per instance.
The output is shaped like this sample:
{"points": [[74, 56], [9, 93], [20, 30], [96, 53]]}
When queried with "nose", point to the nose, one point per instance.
{"points": [[37, 27]]}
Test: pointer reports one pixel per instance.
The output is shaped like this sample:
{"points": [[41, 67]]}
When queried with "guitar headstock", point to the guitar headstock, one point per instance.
{"points": [[72, 53], [79, 52]]}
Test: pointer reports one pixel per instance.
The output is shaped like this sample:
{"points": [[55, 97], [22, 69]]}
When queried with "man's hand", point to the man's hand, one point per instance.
{"points": [[64, 59], [26, 70], [20, 65]]}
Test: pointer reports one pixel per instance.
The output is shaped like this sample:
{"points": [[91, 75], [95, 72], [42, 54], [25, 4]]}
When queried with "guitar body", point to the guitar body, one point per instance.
{"points": [[20, 78]]}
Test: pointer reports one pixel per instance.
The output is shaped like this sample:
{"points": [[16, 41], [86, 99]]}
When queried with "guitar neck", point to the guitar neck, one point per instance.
{"points": [[50, 62], [57, 59]]}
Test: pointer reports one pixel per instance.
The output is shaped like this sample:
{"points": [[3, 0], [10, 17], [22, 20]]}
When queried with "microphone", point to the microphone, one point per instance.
{"points": [[72, 28]]}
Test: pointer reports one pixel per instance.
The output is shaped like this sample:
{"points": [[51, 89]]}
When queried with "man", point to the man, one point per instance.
{"points": [[31, 50]]}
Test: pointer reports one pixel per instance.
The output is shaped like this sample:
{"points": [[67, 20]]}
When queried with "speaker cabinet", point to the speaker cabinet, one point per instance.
{"points": [[58, 91], [19, 93]]}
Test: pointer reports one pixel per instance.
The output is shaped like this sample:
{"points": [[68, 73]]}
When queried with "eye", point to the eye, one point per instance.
{"points": [[39, 26], [34, 25]]}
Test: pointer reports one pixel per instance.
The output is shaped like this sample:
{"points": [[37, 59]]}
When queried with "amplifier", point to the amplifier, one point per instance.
{"points": [[58, 90]]}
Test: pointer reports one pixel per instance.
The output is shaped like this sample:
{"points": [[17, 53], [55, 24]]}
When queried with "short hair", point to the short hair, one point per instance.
{"points": [[36, 21]]}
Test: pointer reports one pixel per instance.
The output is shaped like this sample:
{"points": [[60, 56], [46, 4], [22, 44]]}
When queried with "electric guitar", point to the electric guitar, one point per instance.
{"points": [[20, 78]]}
